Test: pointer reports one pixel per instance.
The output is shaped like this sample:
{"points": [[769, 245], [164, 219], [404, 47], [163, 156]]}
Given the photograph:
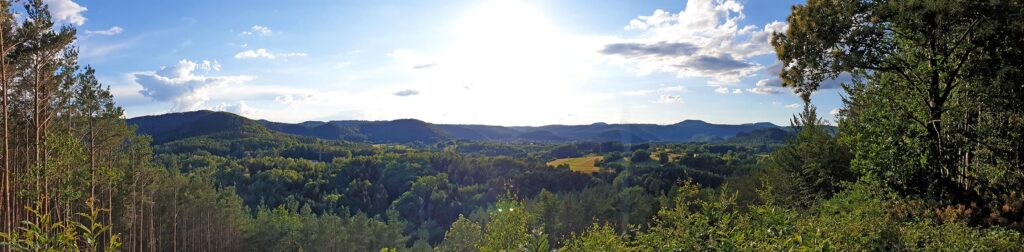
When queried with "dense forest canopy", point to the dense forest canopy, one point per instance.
{"points": [[926, 155]]}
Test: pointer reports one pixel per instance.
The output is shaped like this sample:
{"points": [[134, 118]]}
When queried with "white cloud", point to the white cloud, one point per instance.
{"points": [[669, 99], [834, 112], [112, 31], [763, 90], [343, 64], [66, 11], [240, 108], [703, 40], [258, 30], [182, 85], [726, 90], [769, 82], [263, 53], [207, 66], [407, 92], [792, 106], [292, 101], [252, 54]]}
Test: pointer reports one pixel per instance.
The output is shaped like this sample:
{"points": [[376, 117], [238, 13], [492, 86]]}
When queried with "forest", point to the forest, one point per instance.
{"points": [[927, 154]]}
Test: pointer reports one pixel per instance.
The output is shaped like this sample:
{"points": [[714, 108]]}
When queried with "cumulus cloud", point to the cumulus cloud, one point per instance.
{"points": [[263, 53], [703, 40], [207, 66], [726, 90], [763, 90], [669, 99], [112, 31], [258, 30], [184, 83], [252, 54], [640, 50], [66, 11], [769, 82], [407, 92], [291, 100], [238, 108]]}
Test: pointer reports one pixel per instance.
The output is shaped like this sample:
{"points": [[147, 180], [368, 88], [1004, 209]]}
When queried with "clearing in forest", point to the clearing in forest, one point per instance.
{"points": [[586, 164]]}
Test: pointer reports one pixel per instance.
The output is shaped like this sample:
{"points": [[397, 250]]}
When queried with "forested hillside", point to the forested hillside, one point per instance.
{"points": [[409, 131], [927, 155]]}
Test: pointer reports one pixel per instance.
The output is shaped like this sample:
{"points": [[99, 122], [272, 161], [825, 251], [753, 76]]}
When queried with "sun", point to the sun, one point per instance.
{"points": [[507, 41], [503, 53], [507, 22], [506, 36]]}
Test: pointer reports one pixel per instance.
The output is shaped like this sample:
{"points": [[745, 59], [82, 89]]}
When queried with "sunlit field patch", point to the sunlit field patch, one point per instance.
{"points": [[586, 164]]}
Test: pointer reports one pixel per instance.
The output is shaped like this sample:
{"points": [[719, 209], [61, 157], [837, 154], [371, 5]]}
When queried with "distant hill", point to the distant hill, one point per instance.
{"points": [[174, 126], [169, 127], [763, 136]]}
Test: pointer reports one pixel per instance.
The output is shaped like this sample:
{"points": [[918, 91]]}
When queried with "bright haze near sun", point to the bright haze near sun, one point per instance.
{"points": [[500, 62]]}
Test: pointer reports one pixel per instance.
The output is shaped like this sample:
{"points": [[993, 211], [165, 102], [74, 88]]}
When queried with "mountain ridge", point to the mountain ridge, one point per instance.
{"points": [[170, 126]]}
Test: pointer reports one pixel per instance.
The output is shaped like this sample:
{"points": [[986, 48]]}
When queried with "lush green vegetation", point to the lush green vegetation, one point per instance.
{"points": [[927, 155]]}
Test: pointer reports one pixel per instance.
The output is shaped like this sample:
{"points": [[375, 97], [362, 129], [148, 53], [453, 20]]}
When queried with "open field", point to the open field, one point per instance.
{"points": [[579, 164]]}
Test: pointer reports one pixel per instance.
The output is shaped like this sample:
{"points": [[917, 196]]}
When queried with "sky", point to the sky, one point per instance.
{"points": [[498, 62]]}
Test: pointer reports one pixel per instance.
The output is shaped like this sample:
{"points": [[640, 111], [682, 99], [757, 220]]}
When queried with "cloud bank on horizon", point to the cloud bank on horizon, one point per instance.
{"points": [[490, 62]]}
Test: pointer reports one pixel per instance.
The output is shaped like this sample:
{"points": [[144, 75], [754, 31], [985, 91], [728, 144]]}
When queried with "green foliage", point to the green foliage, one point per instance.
{"points": [[854, 219], [283, 229], [695, 222], [507, 228], [46, 234], [597, 238], [464, 236], [640, 156], [811, 167], [957, 236], [936, 109]]}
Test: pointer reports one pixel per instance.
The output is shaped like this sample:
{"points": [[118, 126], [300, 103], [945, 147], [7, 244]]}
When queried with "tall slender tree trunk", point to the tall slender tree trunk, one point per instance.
{"points": [[174, 223], [36, 145], [110, 200], [7, 195], [92, 155], [152, 223]]}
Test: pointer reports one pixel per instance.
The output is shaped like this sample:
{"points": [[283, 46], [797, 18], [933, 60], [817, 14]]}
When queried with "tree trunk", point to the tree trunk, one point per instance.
{"points": [[7, 195]]}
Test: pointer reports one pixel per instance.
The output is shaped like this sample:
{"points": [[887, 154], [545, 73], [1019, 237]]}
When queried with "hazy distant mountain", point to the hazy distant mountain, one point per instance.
{"points": [[763, 136], [173, 126]]}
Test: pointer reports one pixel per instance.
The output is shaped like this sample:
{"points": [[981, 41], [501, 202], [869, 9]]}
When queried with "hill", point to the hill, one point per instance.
{"points": [[174, 126], [762, 136], [168, 127]]}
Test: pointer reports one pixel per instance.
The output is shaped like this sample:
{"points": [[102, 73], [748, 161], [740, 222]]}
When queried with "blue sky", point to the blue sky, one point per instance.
{"points": [[505, 62]]}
